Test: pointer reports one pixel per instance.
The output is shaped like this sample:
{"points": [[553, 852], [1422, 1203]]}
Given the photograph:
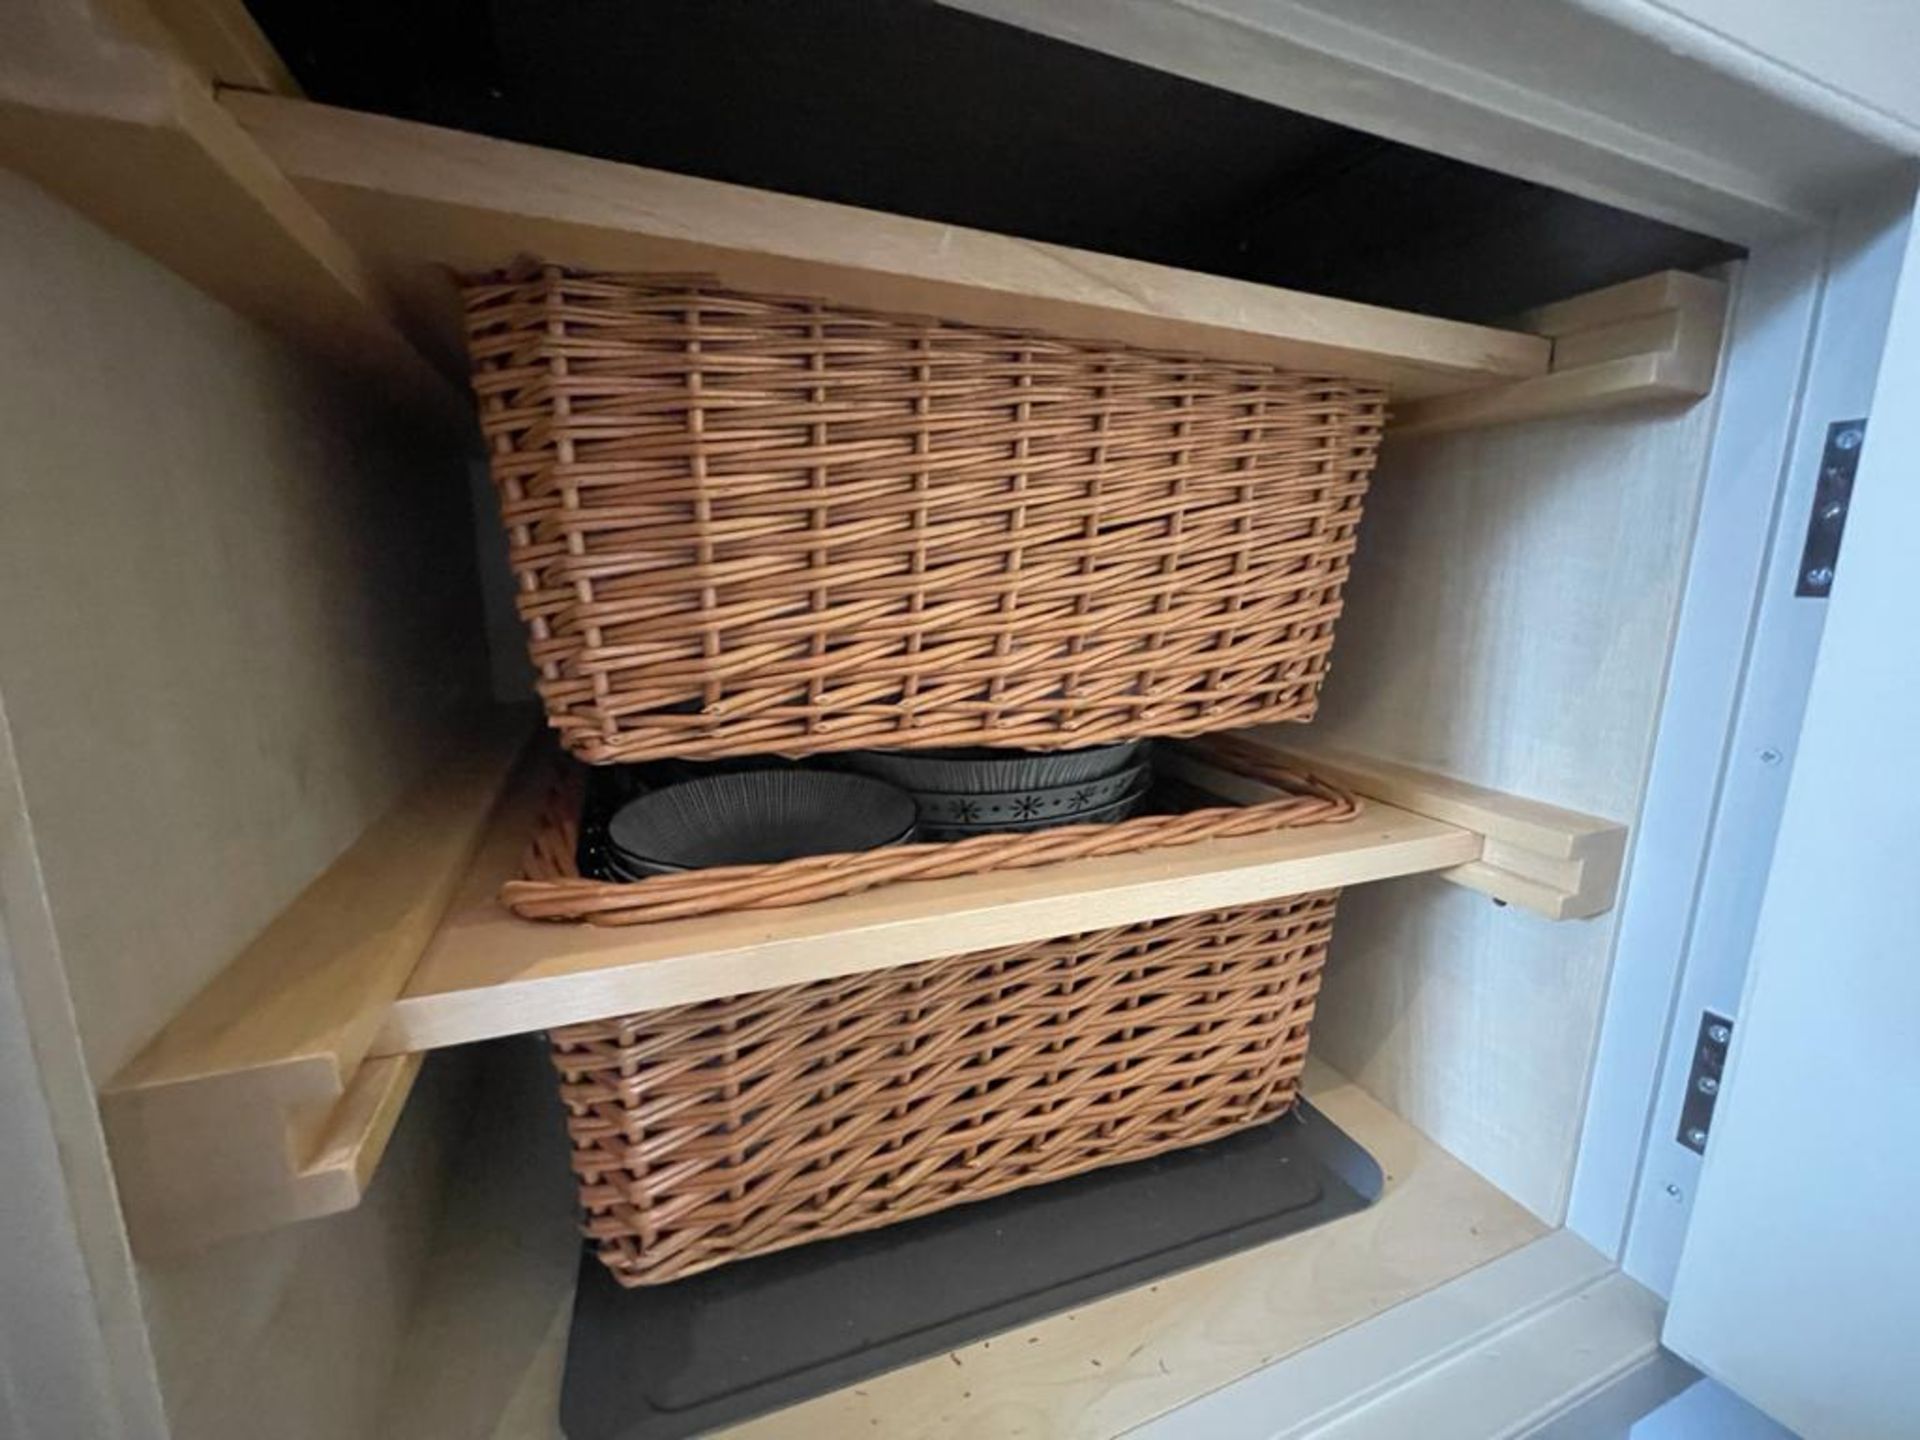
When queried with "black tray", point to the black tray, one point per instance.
{"points": [[674, 1360]]}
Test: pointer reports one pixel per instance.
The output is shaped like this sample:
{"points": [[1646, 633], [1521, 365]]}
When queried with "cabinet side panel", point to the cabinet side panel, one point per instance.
{"points": [[1508, 622], [236, 596]]}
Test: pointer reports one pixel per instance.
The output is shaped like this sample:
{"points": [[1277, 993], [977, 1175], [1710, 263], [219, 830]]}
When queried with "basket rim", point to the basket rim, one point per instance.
{"points": [[551, 888]]}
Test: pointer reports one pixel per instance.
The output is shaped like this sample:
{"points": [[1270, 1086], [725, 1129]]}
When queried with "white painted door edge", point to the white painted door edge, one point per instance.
{"points": [[1798, 1281], [1776, 300], [1808, 327]]}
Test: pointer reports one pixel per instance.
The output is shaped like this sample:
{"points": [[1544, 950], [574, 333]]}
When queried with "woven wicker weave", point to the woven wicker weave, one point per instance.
{"points": [[710, 1132], [748, 524], [551, 887]]}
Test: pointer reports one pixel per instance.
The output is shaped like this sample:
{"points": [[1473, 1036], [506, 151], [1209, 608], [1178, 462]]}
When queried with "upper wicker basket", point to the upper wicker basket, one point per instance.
{"points": [[750, 523]]}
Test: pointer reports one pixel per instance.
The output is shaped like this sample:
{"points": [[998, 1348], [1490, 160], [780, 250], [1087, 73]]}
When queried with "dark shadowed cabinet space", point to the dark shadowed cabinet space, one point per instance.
{"points": [[810, 718], [912, 108]]}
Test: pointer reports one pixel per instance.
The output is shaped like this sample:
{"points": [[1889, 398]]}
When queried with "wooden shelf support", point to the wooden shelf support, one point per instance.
{"points": [[258, 1104], [1648, 340], [1557, 863]]}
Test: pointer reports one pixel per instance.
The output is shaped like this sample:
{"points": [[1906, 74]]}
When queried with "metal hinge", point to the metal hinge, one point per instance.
{"points": [[1832, 498], [1703, 1080]]}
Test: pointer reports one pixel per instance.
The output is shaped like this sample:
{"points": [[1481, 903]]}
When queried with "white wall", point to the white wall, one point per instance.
{"points": [[1863, 50]]}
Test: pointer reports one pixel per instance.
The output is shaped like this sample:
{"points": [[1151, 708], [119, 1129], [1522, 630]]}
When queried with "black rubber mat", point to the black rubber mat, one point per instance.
{"points": [[676, 1360]]}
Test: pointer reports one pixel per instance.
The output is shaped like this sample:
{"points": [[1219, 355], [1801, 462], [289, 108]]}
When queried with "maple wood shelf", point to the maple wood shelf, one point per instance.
{"points": [[416, 201], [487, 973], [270, 1098]]}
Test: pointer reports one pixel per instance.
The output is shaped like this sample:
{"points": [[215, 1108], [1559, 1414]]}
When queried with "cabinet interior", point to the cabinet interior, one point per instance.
{"points": [[285, 605], [1507, 622]]}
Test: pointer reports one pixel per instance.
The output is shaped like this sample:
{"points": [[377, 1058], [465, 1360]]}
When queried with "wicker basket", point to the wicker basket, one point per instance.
{"points": [[711, 1132], [747, 524]]}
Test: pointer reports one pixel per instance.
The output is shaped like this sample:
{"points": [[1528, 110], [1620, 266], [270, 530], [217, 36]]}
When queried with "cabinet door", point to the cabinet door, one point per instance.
{"points": [[1799, 1283]]}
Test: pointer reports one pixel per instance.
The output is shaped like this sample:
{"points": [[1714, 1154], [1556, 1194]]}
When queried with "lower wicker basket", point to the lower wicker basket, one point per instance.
{"points": [[710, 1132]]}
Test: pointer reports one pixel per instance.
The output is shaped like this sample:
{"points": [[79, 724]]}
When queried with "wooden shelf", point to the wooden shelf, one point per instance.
{"points": [[272, 1096], [338, 229], [487, 973], [414, 199]]}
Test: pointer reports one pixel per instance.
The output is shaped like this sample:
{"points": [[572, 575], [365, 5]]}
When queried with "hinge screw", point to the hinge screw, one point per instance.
{"points": [[1820, 575], [1719, 1034], [1848, 439], [1673, 1190], [1769, 756], [1708, 1085], [1696, 1137]]}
